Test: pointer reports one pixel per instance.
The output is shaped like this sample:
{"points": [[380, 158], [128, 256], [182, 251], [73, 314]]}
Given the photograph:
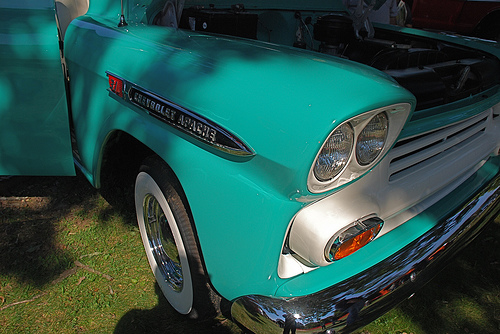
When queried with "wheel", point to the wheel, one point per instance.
{"points": [[169, 240]]}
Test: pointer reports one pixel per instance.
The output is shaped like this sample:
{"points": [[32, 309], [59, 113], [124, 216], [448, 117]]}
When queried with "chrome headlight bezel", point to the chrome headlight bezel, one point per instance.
{"points": [[396, 114], [343, 136], [372, 139]]}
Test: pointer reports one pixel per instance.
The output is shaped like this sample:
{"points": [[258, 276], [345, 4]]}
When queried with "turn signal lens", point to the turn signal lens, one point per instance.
{"points": [[354, 238]]}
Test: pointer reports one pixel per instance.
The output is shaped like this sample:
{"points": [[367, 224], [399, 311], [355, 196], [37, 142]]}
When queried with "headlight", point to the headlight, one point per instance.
{"points": [[355, 146], [335, 154], [371, 140]]}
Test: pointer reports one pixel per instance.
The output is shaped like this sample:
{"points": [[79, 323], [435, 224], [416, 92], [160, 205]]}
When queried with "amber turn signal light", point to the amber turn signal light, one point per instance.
{"points": [[354, 238]]}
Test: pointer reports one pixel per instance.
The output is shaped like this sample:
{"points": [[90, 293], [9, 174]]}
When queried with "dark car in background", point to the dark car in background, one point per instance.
{"points": [[468, 17]]}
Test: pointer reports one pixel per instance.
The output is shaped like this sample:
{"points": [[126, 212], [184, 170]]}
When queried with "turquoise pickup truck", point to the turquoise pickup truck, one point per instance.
{"points": [[288, 158]]}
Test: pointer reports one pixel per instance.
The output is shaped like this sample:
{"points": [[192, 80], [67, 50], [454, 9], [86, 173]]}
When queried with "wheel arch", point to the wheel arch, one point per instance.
{"points": [[121, 155], [121, 158], [119, 151]]}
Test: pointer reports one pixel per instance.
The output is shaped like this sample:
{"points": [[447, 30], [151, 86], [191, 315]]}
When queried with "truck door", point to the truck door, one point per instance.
{"points": [[34, 122]]}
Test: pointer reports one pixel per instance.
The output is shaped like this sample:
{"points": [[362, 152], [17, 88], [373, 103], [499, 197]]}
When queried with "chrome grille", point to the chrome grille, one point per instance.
{"points": [[410, 154]]}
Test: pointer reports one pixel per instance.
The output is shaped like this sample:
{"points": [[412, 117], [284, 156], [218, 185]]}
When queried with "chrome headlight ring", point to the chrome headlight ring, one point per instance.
{"points": [[335, 153], [355, 146], [371, 140]]}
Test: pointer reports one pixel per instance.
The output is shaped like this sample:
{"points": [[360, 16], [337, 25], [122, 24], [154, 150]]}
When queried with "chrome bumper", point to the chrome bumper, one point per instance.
{"points": [[361, 299]]}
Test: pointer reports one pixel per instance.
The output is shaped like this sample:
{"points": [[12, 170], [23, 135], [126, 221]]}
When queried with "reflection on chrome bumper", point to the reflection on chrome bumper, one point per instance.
{"points": [[364, 297]]}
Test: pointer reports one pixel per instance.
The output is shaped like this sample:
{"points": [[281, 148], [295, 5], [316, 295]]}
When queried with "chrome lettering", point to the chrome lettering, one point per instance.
{"points": [[154, 106], [197, 128], [176, 117]]}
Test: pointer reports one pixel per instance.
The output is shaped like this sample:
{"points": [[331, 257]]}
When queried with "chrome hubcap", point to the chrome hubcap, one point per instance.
{"points": [[162, 243]]}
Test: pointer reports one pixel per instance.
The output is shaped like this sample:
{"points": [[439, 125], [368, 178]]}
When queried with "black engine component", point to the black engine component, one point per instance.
{"points": [[436, 73], [334, 31], [233, 22]]}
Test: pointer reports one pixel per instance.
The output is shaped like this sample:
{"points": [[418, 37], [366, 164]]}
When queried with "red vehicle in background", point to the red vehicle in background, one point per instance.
{"points": [[468, 17]]}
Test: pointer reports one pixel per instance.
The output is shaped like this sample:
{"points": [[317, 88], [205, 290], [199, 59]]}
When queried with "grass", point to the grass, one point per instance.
{"points": [[72, 263]]}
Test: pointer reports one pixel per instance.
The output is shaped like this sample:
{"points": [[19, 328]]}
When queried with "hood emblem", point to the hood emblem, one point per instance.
{"points": [[178, 117]]}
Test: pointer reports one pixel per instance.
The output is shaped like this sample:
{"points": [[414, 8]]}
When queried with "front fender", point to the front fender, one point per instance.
{"points": [[282, 102]]}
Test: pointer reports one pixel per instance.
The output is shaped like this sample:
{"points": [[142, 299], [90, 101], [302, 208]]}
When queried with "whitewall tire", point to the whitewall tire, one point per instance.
{"points": [[169, 240]]}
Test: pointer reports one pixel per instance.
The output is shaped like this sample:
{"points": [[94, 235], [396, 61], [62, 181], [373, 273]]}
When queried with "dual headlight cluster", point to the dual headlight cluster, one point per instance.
{"points": [[332, 228], [355, 146]]}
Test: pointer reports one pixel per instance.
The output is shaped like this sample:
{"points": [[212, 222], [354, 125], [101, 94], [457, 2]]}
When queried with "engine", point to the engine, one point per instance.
{"points": [[436, 73]]}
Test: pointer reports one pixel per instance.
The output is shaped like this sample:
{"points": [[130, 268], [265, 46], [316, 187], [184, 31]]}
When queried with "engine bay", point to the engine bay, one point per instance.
{"points": [[435, 72]]}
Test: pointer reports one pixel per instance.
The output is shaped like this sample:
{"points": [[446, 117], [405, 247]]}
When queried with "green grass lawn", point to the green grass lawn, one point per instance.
{"points": [[71, 263]]}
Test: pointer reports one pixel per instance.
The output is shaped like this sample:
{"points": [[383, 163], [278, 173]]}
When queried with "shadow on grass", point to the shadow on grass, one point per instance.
{"points": [[31, 212], [30, 208], [465, 296], [164, 319]]}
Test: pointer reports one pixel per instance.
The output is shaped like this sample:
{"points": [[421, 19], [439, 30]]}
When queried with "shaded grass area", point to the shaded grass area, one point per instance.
{"points": [[71, 263]]}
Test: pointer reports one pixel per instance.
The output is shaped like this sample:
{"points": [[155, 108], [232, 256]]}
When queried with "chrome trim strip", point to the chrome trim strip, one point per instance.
{"points": [[178, 117], [361, 299]]}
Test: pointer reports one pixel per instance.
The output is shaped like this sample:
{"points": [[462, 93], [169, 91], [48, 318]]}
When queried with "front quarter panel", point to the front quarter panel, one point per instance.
{"points": [[282, 103]]}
